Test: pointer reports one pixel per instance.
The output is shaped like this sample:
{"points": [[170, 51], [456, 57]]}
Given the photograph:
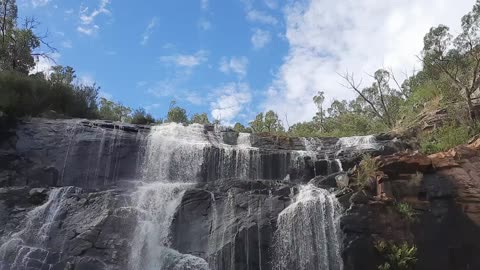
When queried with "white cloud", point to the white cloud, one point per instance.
{"points": [[45, 64], [194, 98], [87, 19], [67, 44], [237, 65], [260, 17], [40, 3], [86, 79], [230, 101], [106, 95], [273, 4], [149, 30], [327, 37], [260, 38], [186, 60], [204, 24], [204, 4]]}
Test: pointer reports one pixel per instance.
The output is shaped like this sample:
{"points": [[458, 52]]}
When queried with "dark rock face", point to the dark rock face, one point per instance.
{"points": [[71, 183], [446, 229], [42, 153]]}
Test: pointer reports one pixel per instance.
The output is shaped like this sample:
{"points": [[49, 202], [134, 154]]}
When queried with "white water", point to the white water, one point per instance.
{"points": [[358, 142], [174, 155], [34, 235], [157, 204], [308, 234]]}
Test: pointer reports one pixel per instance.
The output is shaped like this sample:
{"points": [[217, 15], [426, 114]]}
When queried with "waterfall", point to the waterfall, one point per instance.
{"points": [[32, 239], [358, 142], [174, 156], [308, 234], [157, 204]]}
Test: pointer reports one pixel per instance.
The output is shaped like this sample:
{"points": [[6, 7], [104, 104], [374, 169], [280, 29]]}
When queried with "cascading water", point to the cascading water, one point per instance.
{"points": [[308, 234], [174, 156], [358, 142], [33, 238]]}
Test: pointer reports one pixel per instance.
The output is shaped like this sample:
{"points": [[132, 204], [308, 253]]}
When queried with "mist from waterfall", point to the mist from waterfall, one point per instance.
{"points": [[308, 235]]}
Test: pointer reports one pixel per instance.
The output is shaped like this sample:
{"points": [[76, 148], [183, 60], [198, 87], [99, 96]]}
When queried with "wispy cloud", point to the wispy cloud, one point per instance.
{"points": [[204, 4], [186, 60], [40, 3], [272, 4], [257, 16], [67, 44], [87, 18], [260, 38], [237, 65], [149, 30], [204, 24], [230, 101]]}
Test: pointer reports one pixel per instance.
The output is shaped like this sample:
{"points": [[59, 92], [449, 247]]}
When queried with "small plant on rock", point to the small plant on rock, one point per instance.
{"points": [[398, 257], [366, 170], [407, 211]]}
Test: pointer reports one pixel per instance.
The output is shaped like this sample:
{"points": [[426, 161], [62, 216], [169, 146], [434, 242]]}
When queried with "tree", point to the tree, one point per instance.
{"points": [[62, 75], [113, 111], [18, 45], [378, 100], [272, 123], [238, 127], [318, 100], [269, 123], [140, 117], [457, 58], [200, 119], [257, 124], [176, 114]]}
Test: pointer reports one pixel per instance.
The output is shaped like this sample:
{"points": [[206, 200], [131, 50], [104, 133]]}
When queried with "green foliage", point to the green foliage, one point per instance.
{"points": [[241, 128], [201, 118], [398, 257], [140, 117], [177, 114], [110, 110], [407, 211], [268, 123], [446, 137], [22, 95], [366, 170]]}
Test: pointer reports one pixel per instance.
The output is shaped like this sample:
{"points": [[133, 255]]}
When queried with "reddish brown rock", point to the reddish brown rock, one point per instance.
{"points": [[404, 163]]}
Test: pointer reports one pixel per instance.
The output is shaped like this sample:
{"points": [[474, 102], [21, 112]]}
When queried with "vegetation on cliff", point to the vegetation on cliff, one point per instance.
{"points": [[449, 80]]}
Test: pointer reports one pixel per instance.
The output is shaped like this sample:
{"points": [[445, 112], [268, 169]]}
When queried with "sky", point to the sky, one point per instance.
{"points": [[236, 58]]}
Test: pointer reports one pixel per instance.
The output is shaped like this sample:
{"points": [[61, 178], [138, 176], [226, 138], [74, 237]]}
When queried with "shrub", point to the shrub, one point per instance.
{"points": [[140, 117], [446, 137], [22, 95], [398, 257], [366, 170], [407, 211]]}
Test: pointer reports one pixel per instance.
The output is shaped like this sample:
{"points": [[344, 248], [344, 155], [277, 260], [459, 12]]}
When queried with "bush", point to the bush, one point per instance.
{"points": [[367, 169], [407, 211], [398, 257], [140, 117], [22, 95], [446, 137]]}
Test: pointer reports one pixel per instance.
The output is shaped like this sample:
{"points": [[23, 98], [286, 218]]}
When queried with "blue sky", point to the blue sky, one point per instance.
{"points": [[234, 58]]}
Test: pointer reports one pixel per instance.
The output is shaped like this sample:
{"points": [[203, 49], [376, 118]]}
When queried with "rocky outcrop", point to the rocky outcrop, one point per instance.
{"points": [[70, 181], [443, 190]]}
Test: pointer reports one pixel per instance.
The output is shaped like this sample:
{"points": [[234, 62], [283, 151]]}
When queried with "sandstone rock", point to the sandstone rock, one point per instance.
{"points": [[404, 163]]}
